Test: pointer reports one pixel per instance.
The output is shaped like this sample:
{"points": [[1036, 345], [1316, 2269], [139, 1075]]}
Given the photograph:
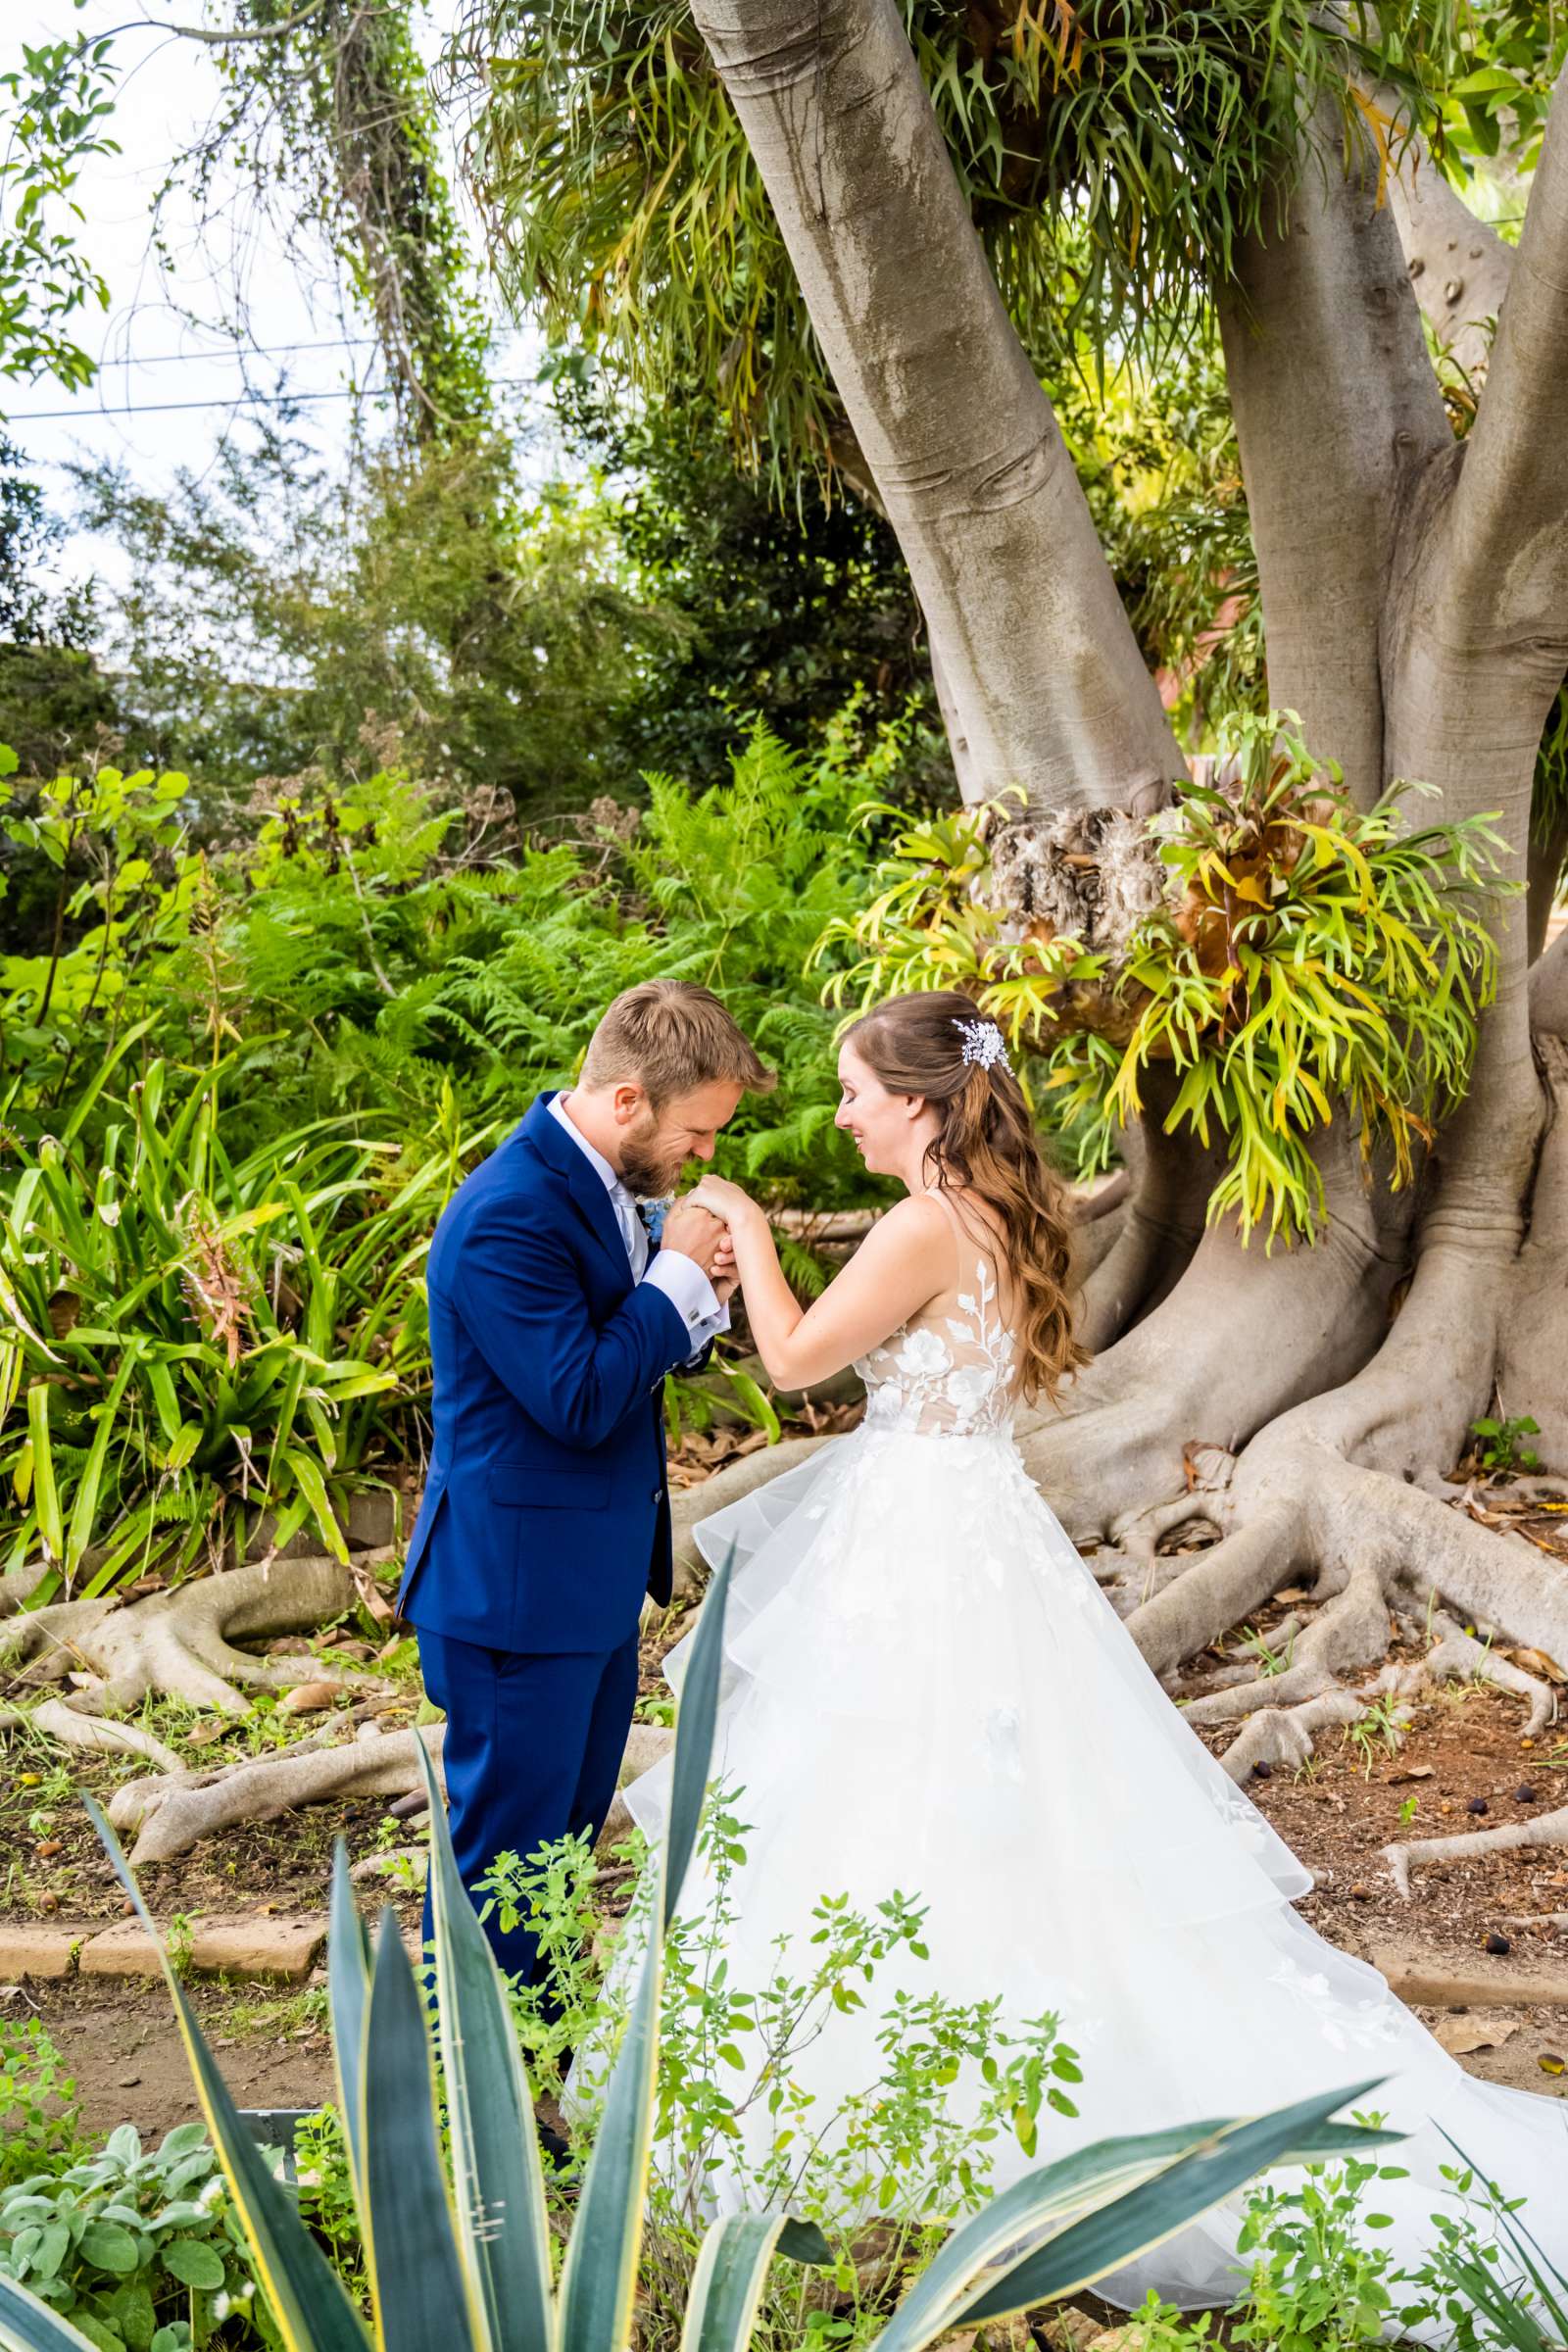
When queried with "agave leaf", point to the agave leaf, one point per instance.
{"points": [[303, 2292], [598, 2284], [727, 2283], [504, 2232], [424, 2296], [1155, 2210], [694, 1736], [348, 1975], [29, 2325]]}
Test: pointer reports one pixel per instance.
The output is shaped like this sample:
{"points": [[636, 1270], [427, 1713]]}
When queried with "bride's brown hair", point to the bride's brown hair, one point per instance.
{"points": [[987, 1144]]}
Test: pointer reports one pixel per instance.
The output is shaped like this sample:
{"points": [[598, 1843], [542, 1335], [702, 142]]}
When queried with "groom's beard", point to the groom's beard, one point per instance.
{"points": [[647, 1168]]}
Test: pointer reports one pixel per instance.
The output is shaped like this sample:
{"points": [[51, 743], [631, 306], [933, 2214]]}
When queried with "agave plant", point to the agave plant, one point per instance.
{"points": [[185, 1338], [466, 2262]]}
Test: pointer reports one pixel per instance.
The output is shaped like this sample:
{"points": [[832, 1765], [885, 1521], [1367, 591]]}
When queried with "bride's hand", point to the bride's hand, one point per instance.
{"points": [[722, 1199]]}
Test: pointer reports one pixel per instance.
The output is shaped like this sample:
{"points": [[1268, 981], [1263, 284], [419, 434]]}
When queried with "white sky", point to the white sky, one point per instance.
{"points": [[169, 89]]}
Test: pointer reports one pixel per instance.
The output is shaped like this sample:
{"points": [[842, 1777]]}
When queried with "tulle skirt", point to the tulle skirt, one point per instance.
{"points": [[926, 1692]]}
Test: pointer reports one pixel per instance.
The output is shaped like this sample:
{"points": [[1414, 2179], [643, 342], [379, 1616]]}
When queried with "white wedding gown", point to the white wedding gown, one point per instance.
{"points": [[929, 1694]]}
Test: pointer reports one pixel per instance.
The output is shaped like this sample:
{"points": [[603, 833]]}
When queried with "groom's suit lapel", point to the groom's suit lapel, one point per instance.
{"points": [[582, 1180]]}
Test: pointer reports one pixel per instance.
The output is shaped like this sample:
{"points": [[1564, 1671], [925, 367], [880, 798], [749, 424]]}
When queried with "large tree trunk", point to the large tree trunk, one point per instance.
{"points": [[1041, 683], [1304, 1406]]}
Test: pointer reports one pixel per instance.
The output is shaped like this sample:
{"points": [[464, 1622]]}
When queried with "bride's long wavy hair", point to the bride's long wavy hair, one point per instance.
{"points": [[985, 1145]]}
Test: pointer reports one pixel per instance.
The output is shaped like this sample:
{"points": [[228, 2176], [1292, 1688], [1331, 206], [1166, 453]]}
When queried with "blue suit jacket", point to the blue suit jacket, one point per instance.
{"points": [[546, 1512]]}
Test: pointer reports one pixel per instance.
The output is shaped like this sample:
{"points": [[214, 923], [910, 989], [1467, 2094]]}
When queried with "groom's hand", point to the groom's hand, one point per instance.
{"points": [[694, 1232]]}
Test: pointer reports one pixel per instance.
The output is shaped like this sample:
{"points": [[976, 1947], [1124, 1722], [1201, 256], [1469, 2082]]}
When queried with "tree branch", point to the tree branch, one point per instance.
{"points": [[1336, 408], [1508, 543], [1040, 672], [1458, 265], [214, 38]]}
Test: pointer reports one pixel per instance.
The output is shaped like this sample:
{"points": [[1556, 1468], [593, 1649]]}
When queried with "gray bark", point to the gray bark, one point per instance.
{"points": [[1336, 409], [1039, 666], [1458, 265]]}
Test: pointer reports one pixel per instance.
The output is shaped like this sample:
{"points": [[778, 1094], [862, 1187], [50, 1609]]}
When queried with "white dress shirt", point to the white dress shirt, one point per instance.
{"points": [[681, 1278]]}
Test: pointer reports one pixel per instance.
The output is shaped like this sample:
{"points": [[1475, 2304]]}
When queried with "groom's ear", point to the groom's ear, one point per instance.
{"points": [[627, 1101]]}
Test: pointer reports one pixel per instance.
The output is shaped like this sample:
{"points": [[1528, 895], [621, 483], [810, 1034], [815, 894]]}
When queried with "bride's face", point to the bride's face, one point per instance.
{"points": [[883, 1124]]}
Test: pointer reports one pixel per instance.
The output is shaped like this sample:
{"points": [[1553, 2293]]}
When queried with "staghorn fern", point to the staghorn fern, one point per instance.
{"points": [[1309, 958]]}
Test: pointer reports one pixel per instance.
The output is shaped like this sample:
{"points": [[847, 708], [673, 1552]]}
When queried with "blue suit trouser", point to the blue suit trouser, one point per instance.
{"points": [[533, 1747]]}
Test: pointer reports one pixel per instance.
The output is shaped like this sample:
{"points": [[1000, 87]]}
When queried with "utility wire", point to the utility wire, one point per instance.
{"points": [[233, 351], [227, 400]]}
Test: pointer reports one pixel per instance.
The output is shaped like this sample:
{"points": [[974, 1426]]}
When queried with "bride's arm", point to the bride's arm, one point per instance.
{"points": [[905, 1261]]}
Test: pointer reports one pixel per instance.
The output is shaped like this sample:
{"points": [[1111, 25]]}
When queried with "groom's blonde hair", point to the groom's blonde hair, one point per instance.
{"points": [[670, 1036]]}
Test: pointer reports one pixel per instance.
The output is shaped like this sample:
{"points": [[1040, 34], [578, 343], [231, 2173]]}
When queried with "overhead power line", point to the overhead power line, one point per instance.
{"points": [[234, 351], [224, 400]]}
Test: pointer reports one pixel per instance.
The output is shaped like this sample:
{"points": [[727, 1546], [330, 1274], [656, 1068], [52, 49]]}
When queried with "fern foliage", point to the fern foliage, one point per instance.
{"points": [[1309, 960]]}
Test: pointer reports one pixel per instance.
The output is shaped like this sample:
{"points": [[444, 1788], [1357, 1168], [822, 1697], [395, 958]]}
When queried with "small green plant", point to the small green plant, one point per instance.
{"points": [[902, 2145], [39, 2125], [1484, 2280], [1314, 2282], [324, 2189], [1268, 1661], [139, 2252], [1499, 1443], [1159, 2327], [1408, 1811], [1378, 1732]]}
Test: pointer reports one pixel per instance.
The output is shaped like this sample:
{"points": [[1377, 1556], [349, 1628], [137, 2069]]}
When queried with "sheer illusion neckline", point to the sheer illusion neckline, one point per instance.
{"points": [[947, 1371]]}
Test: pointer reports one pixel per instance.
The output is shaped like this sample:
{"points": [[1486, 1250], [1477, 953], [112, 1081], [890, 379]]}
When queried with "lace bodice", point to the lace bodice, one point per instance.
{"points": [[944, 1374]]}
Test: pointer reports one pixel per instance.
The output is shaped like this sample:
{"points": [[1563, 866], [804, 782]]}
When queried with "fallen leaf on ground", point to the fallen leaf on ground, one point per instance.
{"points": [[1412, 1771], [1459, 2036], [309, 1698]]}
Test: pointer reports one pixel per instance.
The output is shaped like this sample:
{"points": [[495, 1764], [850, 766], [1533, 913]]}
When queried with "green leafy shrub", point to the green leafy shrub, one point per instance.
{"points": [[915, 2147], [1314, 2281], [1484, 2278], [186, 1340], [120, 896], [138, 2252], [1310, 959], [39, 2126]]}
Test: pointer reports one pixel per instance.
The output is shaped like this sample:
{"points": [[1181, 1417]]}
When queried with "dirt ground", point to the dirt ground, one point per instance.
{"points": [[1465, 1744]]}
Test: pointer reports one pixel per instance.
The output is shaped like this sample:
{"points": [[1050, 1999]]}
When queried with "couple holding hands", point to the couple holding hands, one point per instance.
{"points": [[929, 1696]]}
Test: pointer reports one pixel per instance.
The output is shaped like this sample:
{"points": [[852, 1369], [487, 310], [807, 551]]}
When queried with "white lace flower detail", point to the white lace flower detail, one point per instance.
{"points": [[922, 1354], [968, 1386], [1368, 2024]]}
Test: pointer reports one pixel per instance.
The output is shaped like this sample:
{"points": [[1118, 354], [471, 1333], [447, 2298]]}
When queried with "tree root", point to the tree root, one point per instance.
{"points": [[1544, 1830], [170, 1812], [1457, 1656], [98, 1735], [180, 1644], [1285, 1736]]}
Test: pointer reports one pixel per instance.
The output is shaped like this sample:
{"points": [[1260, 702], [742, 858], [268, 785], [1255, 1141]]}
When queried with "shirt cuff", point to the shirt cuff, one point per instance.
{"points": [[689, 1292]]}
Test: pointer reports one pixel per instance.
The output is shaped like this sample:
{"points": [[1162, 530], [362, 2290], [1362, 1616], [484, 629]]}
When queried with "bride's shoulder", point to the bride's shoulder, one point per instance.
{"points": [[916, 1225]]}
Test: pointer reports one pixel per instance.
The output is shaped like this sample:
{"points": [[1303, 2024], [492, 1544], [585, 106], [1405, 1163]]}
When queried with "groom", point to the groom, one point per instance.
{"points": [[555, 1316]]}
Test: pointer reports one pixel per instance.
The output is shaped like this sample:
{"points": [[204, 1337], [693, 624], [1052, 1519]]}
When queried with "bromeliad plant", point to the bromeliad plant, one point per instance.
{"points": [[1308, 957], [466, 2262], [186, 1341]]}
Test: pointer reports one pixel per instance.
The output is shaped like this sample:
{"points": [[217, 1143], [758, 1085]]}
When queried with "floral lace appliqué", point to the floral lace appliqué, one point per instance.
{"points": [[951, 1382]]}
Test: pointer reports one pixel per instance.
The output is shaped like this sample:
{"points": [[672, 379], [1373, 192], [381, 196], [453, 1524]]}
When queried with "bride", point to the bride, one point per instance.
{"points": [[930, 1695]]}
